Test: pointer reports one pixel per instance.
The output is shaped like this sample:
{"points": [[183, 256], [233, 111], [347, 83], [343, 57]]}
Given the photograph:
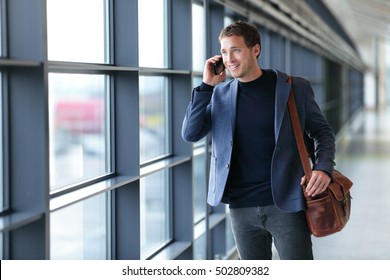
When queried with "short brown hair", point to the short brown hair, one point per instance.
{"points": [[241, 28]]}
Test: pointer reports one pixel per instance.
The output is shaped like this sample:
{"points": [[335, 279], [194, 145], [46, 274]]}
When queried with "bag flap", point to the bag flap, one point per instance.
{"points": [[340, 185]]}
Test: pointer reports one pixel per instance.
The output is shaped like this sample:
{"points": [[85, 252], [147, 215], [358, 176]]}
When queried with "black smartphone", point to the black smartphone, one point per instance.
{"points": [[218, 67]]}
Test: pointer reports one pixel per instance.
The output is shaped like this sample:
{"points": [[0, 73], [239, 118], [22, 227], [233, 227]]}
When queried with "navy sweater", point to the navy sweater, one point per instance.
{"points": [[249, 180]]}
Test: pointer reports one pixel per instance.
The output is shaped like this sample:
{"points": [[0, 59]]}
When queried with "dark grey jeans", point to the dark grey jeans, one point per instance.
{"points": [[255, 228]]}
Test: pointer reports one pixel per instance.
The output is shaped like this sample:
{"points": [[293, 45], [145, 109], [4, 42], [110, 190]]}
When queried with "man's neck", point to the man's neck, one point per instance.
{"points": [[257, 73]]}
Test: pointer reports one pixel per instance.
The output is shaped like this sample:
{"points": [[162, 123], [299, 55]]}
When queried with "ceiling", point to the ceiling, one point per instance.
{"points": [[366, 21]]}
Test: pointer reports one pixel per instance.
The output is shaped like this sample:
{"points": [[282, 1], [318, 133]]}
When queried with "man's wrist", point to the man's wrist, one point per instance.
{"points": [[205, 87]]}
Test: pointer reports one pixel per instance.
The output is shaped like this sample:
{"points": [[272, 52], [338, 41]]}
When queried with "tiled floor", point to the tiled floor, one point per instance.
{"points": [[363, 155]]}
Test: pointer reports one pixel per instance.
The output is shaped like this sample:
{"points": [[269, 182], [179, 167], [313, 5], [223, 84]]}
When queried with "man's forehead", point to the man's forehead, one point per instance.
{"points": [[232, 41]]}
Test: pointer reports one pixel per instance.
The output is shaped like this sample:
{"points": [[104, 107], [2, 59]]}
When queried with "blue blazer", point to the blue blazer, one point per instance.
{"points": [[215, 112]]}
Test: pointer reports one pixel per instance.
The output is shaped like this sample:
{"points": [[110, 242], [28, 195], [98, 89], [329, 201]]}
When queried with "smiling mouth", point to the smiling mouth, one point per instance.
{"points": [[233, 67]]}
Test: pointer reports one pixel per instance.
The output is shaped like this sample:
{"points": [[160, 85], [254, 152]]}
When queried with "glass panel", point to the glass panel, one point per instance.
{"points": [[387, 71], [1, 246], [1, 145], [155, 214], [152, 33], [200, 184], [200, 248], [1, 29], [196, 81], [230, 243], [79, 132], [198, 37], [228, 20], [154, 136], [81, 231], [76, 30], [199, 173]]}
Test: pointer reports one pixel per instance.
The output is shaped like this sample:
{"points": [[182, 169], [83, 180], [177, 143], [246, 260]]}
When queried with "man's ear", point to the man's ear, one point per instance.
{"points": [[257, 50]]}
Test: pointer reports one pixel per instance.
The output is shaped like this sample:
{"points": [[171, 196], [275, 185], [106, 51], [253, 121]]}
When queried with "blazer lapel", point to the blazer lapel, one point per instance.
{"points": [[281, 98], [233, 103]]}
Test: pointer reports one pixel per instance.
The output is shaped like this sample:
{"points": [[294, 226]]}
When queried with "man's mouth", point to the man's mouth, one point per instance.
{"points": [[233, 67]]}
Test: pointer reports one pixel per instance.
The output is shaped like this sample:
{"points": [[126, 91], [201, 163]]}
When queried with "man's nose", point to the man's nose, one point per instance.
{"points": [[229, 57]]}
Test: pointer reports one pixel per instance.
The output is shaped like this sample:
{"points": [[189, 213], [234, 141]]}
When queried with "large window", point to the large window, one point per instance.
{"points": [[79, 130], [78, 103], [79, 125], [154, 117], [153, 89], [155, 214], [152, 33], [81, 231], [199, 167], [77, 30], [199, 152]]}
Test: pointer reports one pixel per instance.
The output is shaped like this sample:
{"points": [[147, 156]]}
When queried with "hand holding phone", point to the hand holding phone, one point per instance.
{"points": [[214, 72], [218, 67]]}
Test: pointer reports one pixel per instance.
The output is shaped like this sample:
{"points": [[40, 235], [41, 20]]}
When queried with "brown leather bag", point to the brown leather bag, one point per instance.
{"points": [[328, 212]]}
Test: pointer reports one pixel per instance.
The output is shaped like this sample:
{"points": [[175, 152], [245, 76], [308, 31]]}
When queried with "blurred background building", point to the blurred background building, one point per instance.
{"points": [[92, 98]]}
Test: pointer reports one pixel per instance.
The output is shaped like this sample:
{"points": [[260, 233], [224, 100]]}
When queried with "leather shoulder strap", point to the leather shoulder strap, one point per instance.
{"points": [[298, 132]]}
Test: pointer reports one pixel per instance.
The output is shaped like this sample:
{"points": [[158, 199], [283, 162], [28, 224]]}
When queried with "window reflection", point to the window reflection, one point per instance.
{"points": [[80, 231], [79, 133], [155, 215], [154, 137], [76, 30], [152, 33]]}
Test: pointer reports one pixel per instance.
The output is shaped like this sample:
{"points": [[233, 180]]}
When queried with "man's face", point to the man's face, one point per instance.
{"points": [[240, 60]]}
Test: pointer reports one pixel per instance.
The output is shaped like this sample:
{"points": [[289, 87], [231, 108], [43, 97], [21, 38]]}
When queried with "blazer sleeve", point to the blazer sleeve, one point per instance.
{"points": [[319, 130], [197, 120]]}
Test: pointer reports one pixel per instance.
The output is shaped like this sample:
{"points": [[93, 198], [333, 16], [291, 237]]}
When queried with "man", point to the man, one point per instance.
{"points": [[255, 165]]}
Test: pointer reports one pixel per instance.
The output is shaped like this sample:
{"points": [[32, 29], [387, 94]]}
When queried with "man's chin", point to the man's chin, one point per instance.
{"points": [[234, 74]]}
